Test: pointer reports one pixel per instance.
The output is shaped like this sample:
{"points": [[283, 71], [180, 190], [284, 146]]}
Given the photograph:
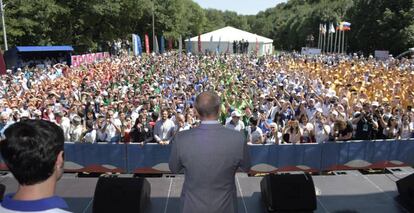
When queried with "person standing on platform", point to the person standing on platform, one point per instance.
{"points": [[209, 156], [33, 151]]}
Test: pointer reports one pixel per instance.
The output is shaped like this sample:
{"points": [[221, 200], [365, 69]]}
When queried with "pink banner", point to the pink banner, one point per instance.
{"points": [[91, 58]]}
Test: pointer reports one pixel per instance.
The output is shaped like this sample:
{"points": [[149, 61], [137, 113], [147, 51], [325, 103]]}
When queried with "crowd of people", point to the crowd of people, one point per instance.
{"points": [[285, 98]]}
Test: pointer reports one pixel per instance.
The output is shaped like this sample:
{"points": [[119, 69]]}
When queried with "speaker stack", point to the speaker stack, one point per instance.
{"points": [[405, 187], [288, 193], [114, 194]]}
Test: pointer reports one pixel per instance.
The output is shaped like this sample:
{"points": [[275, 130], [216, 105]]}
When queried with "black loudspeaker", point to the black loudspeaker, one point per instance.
{"points": [[114, 194], [405, 187], [288, 192]]}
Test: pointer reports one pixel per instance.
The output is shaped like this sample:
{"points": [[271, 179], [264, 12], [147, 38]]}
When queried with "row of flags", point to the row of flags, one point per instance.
{"points": [[159, 47], [332, 38], [342, 26]]}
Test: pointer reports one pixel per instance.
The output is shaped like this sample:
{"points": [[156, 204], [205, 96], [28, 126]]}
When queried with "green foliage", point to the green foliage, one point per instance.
{"points": [[90, 24]]}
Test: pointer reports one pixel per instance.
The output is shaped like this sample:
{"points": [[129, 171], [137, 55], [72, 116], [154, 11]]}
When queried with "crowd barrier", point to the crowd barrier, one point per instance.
{"points": [[153, 158]]}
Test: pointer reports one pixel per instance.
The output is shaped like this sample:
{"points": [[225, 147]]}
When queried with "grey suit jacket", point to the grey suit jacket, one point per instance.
{"points": [[209, 155]]}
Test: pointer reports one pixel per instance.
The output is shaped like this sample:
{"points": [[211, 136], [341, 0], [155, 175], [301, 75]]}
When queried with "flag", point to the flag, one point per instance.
{"points": [[211, 42], [218, 46], [136, 44], [2, 65], [346, 26], [257, 46], [170, 44], [162, 50], [331, 28], [199, 43], [189, 45], [147, 47], [324, 29], [228, 47], [180, 44], [156, 49]]}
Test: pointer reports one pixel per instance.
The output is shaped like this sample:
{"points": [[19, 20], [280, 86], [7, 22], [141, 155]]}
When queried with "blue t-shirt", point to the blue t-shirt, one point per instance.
{"points": [[50, 204]]}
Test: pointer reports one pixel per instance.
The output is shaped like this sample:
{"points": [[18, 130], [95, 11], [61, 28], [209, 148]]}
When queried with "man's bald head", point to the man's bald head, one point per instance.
{"points": [[208, 104]]}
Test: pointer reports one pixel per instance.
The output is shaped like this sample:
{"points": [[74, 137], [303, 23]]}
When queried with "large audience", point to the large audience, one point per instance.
{"points": [[281, 99]]}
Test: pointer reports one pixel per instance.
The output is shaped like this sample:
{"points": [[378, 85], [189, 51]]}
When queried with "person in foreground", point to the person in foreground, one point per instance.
{"points": [[209, 156], [33, 152]]}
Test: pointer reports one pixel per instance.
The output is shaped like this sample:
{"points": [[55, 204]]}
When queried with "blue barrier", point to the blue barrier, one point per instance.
{"points": [[153, 158], [83, 157]]}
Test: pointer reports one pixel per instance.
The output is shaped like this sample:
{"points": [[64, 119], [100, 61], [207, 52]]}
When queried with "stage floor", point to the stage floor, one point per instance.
{"points": [[350, 191]]}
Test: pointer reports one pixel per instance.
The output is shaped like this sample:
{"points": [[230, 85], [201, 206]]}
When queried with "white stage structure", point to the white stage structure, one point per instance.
{"points": [[221, 41]]}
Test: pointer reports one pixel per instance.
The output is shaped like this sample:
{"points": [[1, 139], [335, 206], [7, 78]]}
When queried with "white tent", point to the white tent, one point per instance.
{"points": [[221, 41]]}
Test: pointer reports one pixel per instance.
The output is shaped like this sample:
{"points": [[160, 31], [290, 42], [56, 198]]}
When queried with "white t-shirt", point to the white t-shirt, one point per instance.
{"points": [[407, 131], [320, 135], [111, 130], [255, 135], [90, 137]]}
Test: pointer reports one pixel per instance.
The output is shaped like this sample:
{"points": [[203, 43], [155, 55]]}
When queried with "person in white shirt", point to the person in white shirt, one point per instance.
{"points": [[254, 133], [64, 123], [235, 122], [321, 128], [113, 128], [76, 129], [407, 127], [100, 127], [89, 136], [307, 128], [164, 129], [181, 125], [274, 136]]}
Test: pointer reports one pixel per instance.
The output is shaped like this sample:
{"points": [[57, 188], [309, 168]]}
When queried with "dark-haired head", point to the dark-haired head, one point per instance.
{"points": [[33, 151], [207, 105], [253, 121]]}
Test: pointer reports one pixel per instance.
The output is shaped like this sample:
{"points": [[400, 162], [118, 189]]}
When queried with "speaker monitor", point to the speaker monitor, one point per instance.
{"points": [[114, 194], [288, 192], [405, 187]]}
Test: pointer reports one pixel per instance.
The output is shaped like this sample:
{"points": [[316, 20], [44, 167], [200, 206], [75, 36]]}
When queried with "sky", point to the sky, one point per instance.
{"points": [[244, 7]]}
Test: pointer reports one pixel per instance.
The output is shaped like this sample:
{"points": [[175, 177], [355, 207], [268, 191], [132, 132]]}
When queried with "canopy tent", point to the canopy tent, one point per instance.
{"points": [[16, 56], [221, 40]]}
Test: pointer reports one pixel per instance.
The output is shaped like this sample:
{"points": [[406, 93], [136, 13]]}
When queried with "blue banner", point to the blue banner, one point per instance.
{"points": [[162, 50], [136, 44]]}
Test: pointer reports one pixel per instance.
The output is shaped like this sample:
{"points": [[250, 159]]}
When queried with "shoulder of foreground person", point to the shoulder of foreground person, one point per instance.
{"points": [[228, 133], [53, 204]]}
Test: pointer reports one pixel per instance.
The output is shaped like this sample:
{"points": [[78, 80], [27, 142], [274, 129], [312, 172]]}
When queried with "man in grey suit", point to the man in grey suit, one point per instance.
{"points": [[209, 156]]}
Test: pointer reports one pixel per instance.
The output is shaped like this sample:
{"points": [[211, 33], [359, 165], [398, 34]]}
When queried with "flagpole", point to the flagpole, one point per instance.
{"points": [[326, 41], [323, 42], [153, 27], [332, 38], [339, 41], [319, 37], [343, 41], [330, 41], [336, 40], [6, 47]]}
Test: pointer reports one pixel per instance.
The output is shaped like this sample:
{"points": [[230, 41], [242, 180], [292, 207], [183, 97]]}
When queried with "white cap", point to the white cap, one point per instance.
{"points": [[375, 103], [235, 113]]}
